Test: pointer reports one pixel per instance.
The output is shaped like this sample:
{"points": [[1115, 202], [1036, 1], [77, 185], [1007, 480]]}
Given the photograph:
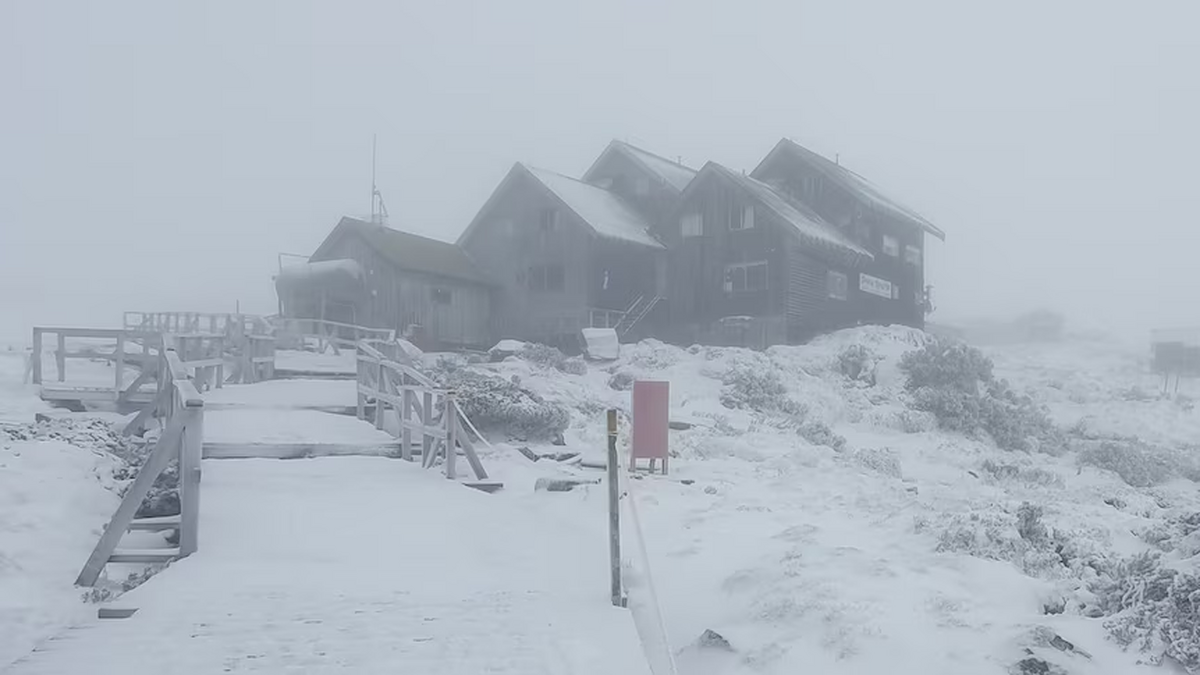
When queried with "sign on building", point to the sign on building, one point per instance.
{"points": [[875, 286]]}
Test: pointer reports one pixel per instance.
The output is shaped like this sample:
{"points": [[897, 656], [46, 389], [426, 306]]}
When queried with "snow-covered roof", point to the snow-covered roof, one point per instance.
{"points": [[807, 223], [603, 211], [674, 173], [860, 187]]}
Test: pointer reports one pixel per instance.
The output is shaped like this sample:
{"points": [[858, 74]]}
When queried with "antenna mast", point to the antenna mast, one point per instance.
{"points": [[379, 212]]}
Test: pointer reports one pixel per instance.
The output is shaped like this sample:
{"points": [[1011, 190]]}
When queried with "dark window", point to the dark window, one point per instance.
{"points": [[441, 296], [837, 283], [546, 278], [549, 220], [740, 218], [746, 277]]}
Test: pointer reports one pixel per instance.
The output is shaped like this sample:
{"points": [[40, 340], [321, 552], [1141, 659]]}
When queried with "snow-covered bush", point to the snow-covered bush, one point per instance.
{"points": [[819, 433], [954, 382], [1138, 463], [621, 381], [883, 460], [857, 362], [496, 404], [757, 389], [1153, 608]]}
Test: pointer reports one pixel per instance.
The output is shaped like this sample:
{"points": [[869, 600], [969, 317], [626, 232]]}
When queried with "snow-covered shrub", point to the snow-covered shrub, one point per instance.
{"points": [[883, 460], [573, 366], [757, 389], [1153, 608], [954, 382], [621, 381], [857, 362], [1138, 463], [1029, 524], [496, 404], [1032, 476], [819, 433]]}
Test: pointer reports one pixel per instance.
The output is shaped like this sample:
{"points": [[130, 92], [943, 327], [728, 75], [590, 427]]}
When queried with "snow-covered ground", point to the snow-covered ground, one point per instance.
{"points": [[900, 551], [842, 533]]}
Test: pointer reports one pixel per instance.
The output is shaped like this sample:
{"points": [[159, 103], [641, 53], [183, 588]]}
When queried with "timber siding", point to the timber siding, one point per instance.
{"points": [[450, 312]]}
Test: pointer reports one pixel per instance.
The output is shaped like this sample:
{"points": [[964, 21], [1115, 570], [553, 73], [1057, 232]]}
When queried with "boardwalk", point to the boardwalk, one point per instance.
{"points": [[368, 565]]}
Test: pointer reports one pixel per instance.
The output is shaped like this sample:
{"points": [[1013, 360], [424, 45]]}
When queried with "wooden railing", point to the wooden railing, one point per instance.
{"points": [[71, 346], [327, 334], [197, 322], [247, 341], [182, 409], [422, 411]]}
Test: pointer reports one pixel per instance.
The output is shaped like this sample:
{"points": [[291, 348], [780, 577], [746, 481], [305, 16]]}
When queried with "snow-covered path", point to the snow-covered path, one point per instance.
{"points": [[364, 564]]}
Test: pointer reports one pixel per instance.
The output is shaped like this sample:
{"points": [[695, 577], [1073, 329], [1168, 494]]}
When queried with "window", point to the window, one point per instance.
{"points": [[837, 284], [912, 255], [891, 245], [692, 225], [641, 186], [548, 220], [746, 277], [441, 296], [546, 278], [741, 218]]}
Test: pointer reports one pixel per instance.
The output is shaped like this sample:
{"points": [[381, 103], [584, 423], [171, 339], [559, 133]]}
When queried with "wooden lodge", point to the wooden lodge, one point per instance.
{"points": [[641, 244]]}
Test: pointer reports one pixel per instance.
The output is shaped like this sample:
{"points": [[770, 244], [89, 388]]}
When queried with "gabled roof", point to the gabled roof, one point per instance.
{"points": [[673, 174], [408, 251], [806, 223], [606, 213], [859, 187]]}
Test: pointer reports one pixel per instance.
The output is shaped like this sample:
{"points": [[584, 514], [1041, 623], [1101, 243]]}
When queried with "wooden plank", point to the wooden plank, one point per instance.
{"points": [[451, 422], [406, 401], [120, 365], [156, 524], [295, 450], [166, 448], [485, 486], [37, 356], [190, 451], [150, 555], [60, 357], [468, 446], [116, 612], [427, 439]]}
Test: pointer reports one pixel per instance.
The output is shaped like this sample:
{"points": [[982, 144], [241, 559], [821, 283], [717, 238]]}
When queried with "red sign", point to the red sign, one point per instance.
{"points": [[651, 413]]}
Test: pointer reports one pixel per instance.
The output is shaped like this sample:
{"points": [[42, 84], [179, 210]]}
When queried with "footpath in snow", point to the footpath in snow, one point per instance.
{"points": [[364, 564]]}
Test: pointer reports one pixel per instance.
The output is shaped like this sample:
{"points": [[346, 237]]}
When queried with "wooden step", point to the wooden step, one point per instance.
{"points": [[157, 524], [488, 486], [116, 612], [150, 555]]}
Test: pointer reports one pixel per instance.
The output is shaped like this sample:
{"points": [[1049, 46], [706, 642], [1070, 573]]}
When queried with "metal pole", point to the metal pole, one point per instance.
{"points": [[614, 517]]}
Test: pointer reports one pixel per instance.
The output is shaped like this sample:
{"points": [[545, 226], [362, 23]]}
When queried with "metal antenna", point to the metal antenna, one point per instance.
{"points": [[374, 190]]}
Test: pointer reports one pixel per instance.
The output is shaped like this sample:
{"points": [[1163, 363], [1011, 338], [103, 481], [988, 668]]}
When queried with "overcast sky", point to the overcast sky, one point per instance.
{"points": [[159, 155]]}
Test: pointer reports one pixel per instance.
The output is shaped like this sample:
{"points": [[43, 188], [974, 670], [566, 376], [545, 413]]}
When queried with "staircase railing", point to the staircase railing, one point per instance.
{"points": [[180, 405], [637, 311]]}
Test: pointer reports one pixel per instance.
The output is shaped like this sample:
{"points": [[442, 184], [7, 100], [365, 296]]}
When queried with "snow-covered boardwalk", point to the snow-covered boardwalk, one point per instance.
{"points": [[364, 565]]}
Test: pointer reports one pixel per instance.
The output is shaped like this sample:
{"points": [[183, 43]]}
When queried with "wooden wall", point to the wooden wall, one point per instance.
{"points": [[398, 298]]}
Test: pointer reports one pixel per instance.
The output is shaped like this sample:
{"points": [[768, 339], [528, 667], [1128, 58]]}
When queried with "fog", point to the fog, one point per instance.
{"points": [[160, 155]]}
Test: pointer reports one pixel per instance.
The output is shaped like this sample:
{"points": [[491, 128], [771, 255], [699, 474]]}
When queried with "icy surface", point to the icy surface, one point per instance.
{"points": [[344, 363], [284, 394], [275, 425]]}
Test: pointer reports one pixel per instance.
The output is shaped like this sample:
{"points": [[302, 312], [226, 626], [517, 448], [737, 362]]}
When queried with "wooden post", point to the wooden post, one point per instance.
{"points": [[406, 404], [190, 452], [220, 372], [60, 357], [427, 446], [120, 363], [37, 356], [380, 389], [450, 420], [614, 514]]}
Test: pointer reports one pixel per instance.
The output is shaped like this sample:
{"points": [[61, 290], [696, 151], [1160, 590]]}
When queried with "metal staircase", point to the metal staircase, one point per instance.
{"points": [[637, 311]]}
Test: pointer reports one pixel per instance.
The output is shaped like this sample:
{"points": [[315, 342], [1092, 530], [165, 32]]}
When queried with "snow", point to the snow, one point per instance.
{"points": [[806, 222], [292, 360], [368, 565], [898, 553], [806, 558], [674, 173], [273, 425], [54, 500], [602, 343], [298, 393], [18, 399], [602, 210]]}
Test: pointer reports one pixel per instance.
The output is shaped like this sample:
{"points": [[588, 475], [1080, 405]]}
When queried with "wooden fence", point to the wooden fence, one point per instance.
{"points": [[332, 335], [429, 421], [182, 409], [104, 345]]}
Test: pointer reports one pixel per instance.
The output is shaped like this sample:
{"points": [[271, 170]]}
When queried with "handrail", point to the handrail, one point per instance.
{"points": [[180, 404]]}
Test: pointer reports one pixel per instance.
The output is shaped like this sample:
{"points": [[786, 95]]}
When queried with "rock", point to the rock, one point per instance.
{"points": [[1035, 666], [529, 454], [711, 639], [687, 481], [710, 490], [505, 349], [679, 426], [559, 440]]}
